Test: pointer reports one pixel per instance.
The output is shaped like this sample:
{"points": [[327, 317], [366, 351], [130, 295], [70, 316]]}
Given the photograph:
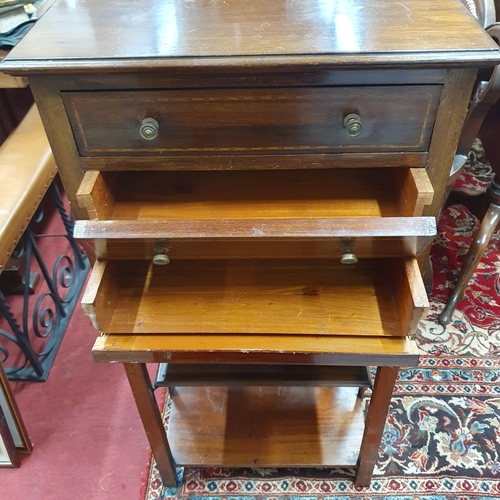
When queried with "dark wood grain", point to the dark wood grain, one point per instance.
{"points": [[454, 101], [255, 162], [306, 76], [255, 34], [243, 121], [58, 129], [142, 248], [197, 375], [471, 261], [375, 422], [140, 384]]}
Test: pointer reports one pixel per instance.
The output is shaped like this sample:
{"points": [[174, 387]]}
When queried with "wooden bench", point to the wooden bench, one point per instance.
{"points": [[27, 169]]}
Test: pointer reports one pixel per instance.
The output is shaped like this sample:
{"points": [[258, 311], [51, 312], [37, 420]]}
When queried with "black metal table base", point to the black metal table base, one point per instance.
{"points": [[37, 335]]}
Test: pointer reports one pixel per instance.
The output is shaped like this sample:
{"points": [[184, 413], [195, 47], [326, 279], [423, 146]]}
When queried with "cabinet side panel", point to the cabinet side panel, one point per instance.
{"points": [[451, 115], [58, 129]]}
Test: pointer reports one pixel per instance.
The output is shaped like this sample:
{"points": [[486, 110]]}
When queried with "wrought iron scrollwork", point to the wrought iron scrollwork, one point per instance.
{"points": [[45, 317]]}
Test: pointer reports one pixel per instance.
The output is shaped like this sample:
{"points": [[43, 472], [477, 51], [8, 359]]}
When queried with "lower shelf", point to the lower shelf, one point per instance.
{"points": [[266, 426], [261, 375]]}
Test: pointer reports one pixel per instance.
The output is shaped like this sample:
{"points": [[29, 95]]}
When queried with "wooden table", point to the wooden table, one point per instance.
{"points": [[282, 419], [287, 161]]}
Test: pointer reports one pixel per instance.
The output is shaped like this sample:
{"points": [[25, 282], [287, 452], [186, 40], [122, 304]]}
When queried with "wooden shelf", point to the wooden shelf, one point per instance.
{"points": [[176, 375], [305, 297], [266, 426]]}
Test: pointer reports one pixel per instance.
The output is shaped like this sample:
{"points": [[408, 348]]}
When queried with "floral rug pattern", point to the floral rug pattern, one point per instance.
{"points": [[442, 436]]}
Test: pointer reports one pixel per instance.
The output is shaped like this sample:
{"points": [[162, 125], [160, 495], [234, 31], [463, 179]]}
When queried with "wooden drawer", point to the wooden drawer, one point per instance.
{"points": [[252, 214], [375, 297], [253, 121]]}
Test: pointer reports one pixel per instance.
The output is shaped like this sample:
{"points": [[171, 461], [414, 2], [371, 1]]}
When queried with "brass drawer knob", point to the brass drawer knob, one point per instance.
{"points": [[149, 129], [161, 259], [353, 125], [348, 257]]}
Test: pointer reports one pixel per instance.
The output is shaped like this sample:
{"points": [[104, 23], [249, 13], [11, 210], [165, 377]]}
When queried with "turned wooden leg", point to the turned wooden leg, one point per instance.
{"points": [[142, 390], [472, 260], [375, 422]]}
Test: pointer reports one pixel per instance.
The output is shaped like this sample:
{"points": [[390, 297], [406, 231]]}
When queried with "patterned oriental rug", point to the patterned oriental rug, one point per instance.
{"points": [[442, 437]]}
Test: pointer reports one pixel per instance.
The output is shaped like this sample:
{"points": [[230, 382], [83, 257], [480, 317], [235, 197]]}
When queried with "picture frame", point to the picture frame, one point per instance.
{"points": [[14, 439], [9, 456]]}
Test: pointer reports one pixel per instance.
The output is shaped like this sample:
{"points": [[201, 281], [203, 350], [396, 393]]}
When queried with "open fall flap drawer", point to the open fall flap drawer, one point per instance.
{"points": [[264, 214], [375, 297]]}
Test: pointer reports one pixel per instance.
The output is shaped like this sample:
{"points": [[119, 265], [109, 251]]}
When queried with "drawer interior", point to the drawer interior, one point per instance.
{"points": [[297, 296], [284, 194]]}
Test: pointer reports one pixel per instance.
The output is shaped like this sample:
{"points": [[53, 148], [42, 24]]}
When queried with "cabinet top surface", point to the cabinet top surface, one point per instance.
{"points": [[228, 32]]}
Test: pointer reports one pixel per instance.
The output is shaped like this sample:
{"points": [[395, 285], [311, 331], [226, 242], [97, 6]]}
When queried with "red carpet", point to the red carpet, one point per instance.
{"points": [[88, 440]]}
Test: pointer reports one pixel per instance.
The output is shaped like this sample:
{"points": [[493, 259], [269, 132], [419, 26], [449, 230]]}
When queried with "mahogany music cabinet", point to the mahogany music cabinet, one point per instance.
{"points": [[258, 179]]}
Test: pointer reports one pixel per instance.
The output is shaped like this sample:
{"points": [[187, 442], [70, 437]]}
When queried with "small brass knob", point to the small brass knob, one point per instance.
{"points": [[149, 129], [353, 125], [348, 258], [161, 259]]}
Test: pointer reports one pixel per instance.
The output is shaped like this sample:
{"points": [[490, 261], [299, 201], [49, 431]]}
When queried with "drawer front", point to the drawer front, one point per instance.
{"points": [[376, 298], [332, 239], [253, 121]]}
